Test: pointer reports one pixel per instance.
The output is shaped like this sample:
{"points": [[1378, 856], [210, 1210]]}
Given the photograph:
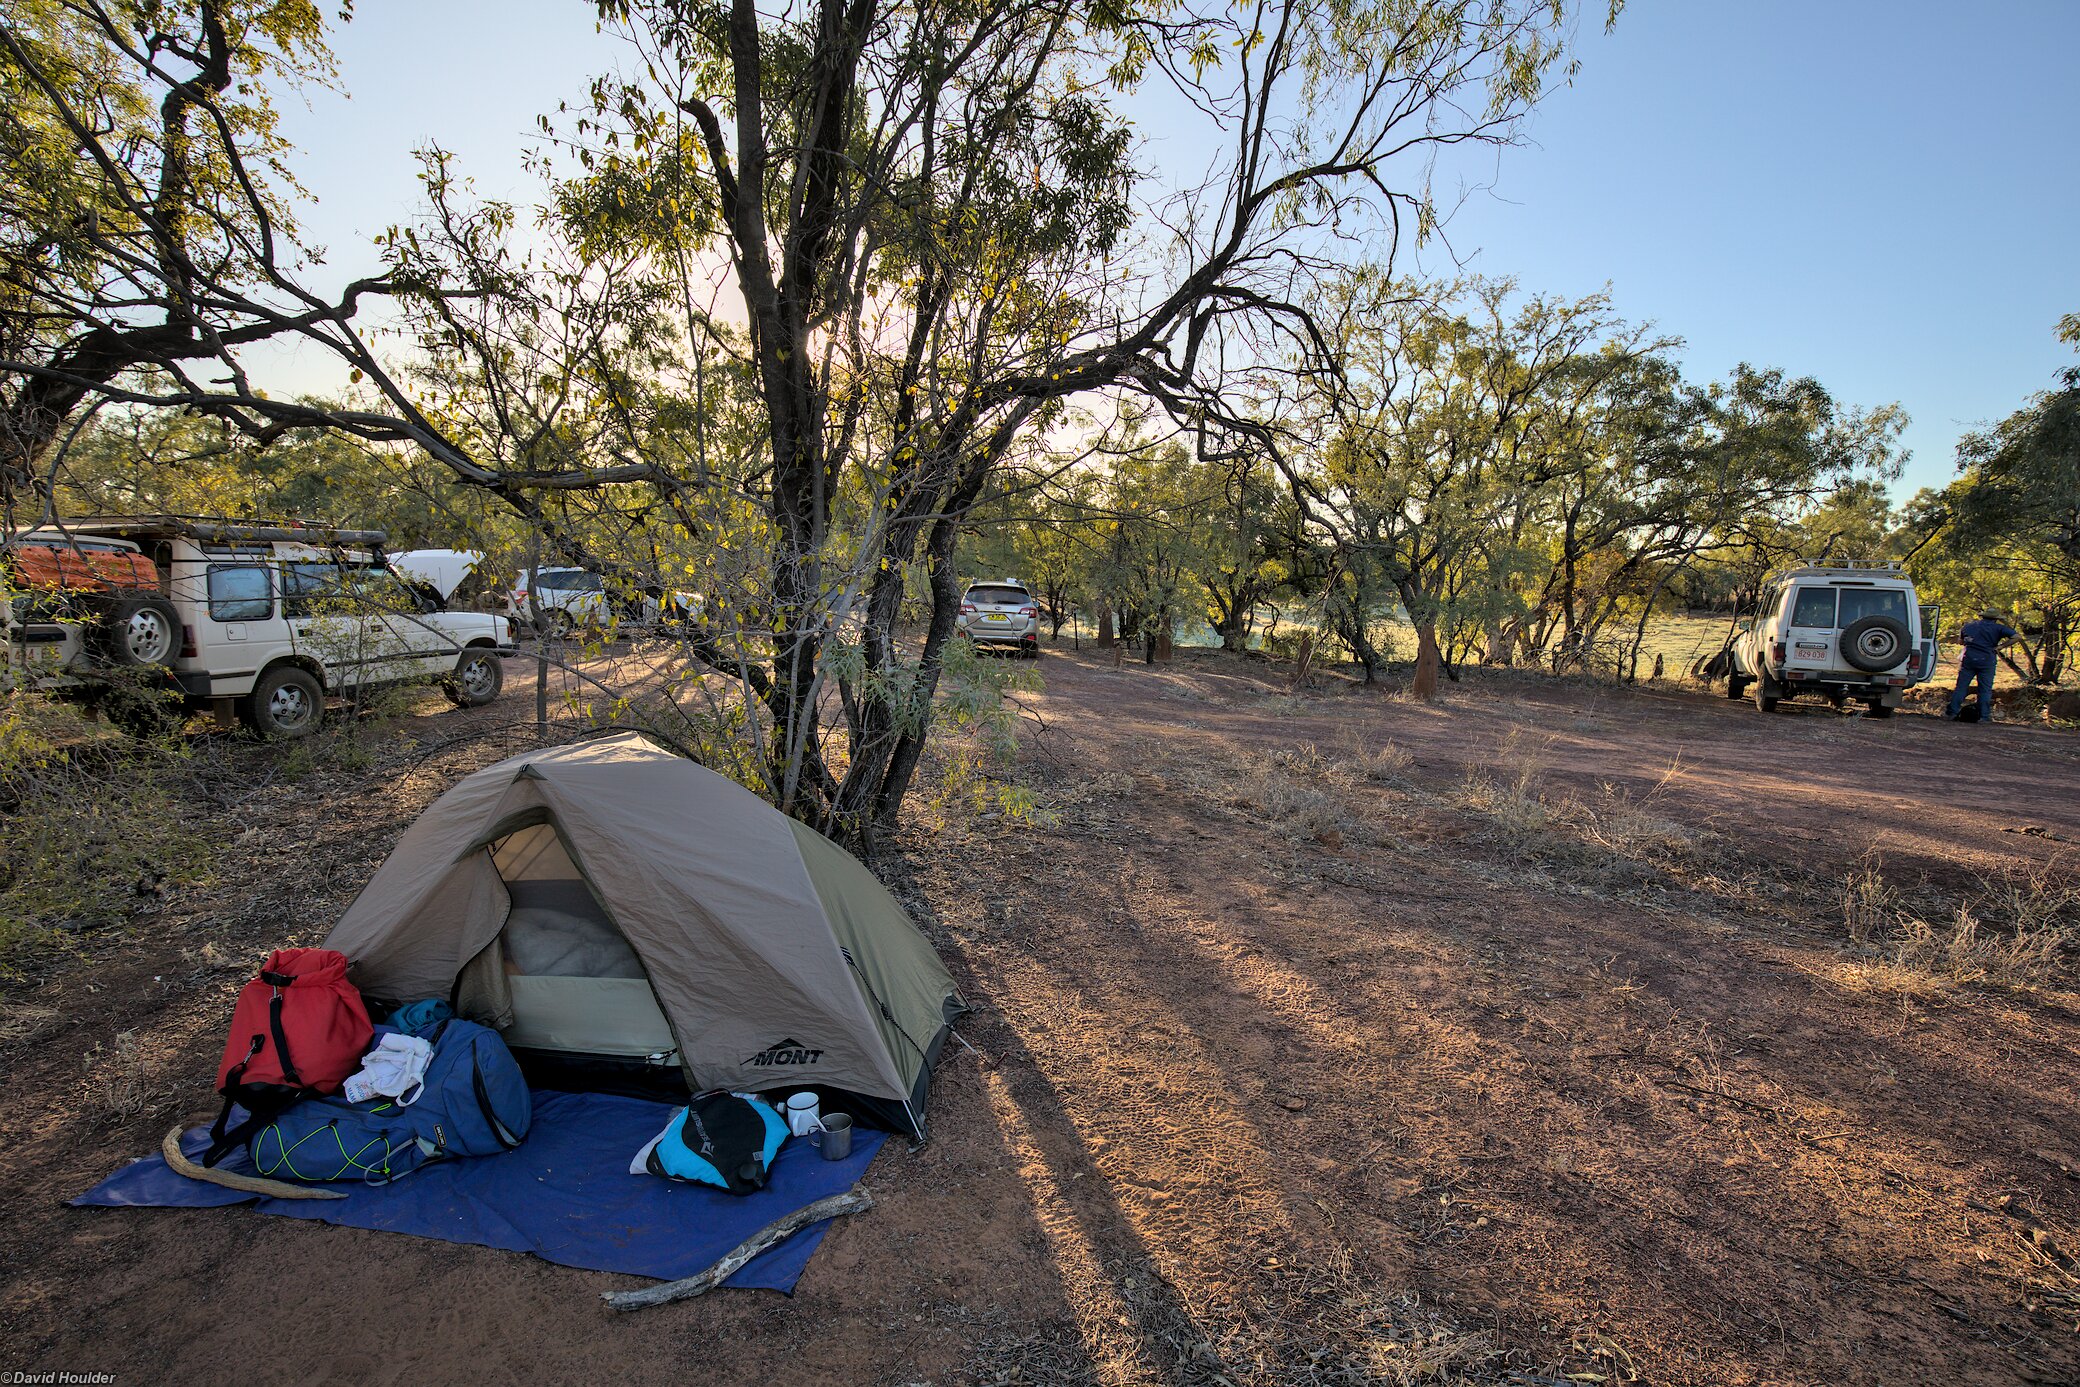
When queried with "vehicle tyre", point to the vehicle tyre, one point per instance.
{"points": [[1874, 644], [139, 631], [1029, 650], [1736, 687], [478, 677], [1766, 694], [287, 702], [1881, 710]]}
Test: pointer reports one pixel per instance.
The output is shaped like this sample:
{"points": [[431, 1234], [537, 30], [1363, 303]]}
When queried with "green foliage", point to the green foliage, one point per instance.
{"points": [[2007, 532], [97, 822]]}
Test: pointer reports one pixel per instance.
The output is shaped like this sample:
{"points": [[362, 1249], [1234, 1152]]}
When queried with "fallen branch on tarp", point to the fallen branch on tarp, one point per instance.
{"points": [[853, 1201], [251, 1184]]}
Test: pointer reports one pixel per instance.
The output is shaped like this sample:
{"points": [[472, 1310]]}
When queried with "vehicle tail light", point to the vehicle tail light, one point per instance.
{"points": [[967, 609], [188, 647], [1776, 652], [1029, 611]]}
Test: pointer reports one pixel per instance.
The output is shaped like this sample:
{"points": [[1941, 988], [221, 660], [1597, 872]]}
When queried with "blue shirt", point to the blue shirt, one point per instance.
{"points": [[1981, 637]]}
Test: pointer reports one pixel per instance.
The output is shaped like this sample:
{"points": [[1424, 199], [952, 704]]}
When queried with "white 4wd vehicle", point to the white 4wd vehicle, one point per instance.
{"points": [[569, 598], [1835, 633], [259, 619]]}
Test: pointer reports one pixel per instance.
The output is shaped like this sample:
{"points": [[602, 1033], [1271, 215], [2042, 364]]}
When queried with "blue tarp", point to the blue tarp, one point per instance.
{"points": [[565, 1195]]}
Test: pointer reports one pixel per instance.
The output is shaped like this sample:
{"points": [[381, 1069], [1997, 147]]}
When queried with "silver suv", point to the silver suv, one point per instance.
{"points": [[1842, 632], [1001, 613]]}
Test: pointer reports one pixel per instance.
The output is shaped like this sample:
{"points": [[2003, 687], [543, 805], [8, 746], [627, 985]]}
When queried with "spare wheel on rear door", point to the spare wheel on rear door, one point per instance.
{"points": [[1875, 643], [138, 629]]}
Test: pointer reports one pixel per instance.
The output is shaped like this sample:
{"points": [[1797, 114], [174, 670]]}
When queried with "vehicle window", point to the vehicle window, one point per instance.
{"points": [[384, 590], [308, 588], [1858, 603], [239, 593], [1000, 595], [1813, 607], [569, 580]]}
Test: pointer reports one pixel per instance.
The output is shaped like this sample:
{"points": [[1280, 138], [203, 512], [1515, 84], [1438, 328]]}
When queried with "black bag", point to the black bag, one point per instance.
{"points": [[724, 1139]]}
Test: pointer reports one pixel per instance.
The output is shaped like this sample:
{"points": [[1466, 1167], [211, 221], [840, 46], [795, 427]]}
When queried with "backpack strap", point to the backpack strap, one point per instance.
{"points": [[221, 1142], [274, 1023]]}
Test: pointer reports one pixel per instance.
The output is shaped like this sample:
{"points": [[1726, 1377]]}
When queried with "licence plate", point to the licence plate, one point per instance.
{"points": [[996, 616], [1809, 651]]}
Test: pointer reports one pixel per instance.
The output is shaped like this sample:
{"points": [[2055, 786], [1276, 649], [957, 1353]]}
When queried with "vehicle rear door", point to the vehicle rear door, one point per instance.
{"points": [[1931, 617], [1809, 631]]}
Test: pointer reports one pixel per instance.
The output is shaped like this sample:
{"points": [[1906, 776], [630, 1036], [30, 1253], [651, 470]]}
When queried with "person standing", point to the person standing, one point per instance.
{"points": [[1975, 663]]}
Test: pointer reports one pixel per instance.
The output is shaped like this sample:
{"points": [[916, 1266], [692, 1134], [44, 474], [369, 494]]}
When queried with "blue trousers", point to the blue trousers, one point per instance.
{"points": [[1969, 670]]}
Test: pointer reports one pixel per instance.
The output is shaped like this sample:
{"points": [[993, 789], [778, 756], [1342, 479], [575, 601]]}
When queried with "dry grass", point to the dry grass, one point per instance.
{"points": [[21, 1022], [1325, 1325], [2018, 930], [118, 1077], [1613, 825], [1297, 809]]}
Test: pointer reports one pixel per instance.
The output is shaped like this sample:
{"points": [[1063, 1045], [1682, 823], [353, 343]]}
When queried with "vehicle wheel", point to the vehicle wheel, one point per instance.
{"points": [[1874, 644], [1029, 650], [1766, 695], [140, 632], [1736, 687], [478, 677], [1881, 710], [287, 702]]}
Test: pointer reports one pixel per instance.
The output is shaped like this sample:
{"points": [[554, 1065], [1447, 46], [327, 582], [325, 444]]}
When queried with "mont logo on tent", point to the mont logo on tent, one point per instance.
{"points": [[612, 906]]}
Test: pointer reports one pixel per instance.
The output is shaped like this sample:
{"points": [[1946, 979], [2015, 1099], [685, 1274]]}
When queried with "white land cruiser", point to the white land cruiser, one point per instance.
{"points": [[1853, 631], [256, 618]]}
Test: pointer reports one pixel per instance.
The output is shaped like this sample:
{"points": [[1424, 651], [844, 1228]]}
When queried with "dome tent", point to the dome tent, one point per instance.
{"points": [[610, 901]]}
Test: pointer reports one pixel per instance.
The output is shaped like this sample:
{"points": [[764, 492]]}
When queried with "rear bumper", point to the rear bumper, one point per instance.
{"points": [[997, 635], [1834, 684]]}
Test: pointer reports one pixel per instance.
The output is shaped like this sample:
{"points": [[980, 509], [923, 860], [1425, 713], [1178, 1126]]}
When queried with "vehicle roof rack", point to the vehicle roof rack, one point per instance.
{"points": [[1803, 569], [218, 530]]}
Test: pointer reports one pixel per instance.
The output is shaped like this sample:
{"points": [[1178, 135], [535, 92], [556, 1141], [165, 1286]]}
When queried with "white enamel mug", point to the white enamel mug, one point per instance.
{"points": [[802, 1116]]}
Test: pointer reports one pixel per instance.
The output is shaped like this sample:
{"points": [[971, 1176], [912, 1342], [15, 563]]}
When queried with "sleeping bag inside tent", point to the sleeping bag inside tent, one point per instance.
{"points": [[610, 906]]}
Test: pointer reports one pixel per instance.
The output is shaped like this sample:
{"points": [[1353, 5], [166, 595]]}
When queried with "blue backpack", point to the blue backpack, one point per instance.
{"points": [[474, 1102], [722, 1139]]}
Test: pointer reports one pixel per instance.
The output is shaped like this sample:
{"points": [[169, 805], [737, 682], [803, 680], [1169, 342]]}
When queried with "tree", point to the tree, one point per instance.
{"points": [[2010, 523], [143, 198]]}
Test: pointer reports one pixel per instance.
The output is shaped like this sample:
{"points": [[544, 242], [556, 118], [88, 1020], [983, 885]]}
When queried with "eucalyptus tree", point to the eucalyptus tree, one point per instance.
{"points": [[1434, 431]]}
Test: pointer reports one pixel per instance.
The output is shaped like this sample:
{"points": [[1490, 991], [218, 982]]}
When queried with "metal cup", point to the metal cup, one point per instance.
{"points": [[837, 1136]]}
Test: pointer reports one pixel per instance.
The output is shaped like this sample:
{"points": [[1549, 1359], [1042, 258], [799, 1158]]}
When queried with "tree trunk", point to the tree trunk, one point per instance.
{"points": [[1105, 635]]}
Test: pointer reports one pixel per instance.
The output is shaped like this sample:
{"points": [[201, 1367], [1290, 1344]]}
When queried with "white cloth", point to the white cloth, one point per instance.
{"points": [[394, 1069]]}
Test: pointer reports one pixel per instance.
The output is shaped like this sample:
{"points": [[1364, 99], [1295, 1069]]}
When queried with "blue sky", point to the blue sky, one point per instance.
{"points": [[1883, 196]]}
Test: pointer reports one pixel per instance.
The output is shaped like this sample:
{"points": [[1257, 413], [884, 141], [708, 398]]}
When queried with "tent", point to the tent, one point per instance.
{"points": [[609, 903]]}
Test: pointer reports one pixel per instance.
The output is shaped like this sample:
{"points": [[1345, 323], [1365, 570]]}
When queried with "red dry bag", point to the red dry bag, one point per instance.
{"points": [[299, 1030]]}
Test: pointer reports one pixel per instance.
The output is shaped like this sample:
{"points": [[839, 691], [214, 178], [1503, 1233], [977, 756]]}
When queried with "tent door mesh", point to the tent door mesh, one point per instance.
{"points": [[576, 983]]}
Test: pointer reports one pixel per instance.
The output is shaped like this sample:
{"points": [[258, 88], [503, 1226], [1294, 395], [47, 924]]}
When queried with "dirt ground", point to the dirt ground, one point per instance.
{"points": [[1330, 1037]]}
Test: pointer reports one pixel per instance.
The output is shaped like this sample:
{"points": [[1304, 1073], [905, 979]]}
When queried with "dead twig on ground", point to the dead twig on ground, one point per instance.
{"points": [[853, 1201]]}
